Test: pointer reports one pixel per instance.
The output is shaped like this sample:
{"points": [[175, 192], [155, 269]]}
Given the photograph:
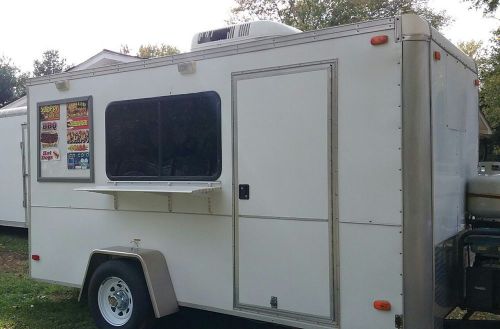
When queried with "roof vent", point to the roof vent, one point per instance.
{"points": [[239, 33]]}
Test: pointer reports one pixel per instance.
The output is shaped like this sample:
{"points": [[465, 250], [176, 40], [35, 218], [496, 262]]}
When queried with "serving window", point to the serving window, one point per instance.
{"points": [[164, 138], [65, 140]]}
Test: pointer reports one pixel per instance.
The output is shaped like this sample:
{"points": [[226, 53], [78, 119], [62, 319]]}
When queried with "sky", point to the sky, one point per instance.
{"points": [[81, 28]]}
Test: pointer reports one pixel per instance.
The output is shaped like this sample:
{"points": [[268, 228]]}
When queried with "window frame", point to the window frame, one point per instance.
{"points": [[157, 100]]}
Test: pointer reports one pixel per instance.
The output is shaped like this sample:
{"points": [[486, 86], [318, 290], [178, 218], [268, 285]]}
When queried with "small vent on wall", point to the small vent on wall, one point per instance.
{"points": [[244, 30], [216, 35]]}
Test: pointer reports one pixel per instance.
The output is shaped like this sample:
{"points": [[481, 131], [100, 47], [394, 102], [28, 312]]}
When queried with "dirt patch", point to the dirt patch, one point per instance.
{"points": [[13, 262]]}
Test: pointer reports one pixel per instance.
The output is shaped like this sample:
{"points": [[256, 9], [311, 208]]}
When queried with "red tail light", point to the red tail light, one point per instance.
{"points": [[382, 305], [379, 40]]}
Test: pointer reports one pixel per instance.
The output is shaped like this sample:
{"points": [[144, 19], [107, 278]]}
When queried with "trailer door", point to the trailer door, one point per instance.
{"points": [[282, 130]]}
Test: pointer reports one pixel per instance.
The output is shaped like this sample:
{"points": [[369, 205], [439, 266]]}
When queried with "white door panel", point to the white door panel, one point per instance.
{"points": [[282, 127], [285, 259], [282, 134]]}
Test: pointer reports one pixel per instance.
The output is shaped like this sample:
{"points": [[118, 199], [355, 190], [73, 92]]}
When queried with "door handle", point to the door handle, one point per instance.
{"points": [[244, 192]]}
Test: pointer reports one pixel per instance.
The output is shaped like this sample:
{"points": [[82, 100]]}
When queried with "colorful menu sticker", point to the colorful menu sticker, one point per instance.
{"points": [[77, 110], [50, 155], [48, 134], [77, 136], [50, 112], [78, 160], [78, 123], [78, 147]]}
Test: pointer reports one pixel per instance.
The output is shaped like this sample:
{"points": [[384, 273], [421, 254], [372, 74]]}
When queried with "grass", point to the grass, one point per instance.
{"points": [[27, 304], [13, 240]]}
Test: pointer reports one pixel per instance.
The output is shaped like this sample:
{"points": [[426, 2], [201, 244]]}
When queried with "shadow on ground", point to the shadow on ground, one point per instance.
{"points": [[197, 319]]}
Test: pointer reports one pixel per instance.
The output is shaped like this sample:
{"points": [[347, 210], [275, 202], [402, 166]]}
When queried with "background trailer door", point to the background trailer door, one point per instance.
{"points": [[283, 191], [13, 167]]}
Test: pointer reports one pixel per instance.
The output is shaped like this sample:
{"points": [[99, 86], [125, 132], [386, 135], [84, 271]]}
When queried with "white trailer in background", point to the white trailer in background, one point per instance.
{"points": [[13, 166], [310, 179]]}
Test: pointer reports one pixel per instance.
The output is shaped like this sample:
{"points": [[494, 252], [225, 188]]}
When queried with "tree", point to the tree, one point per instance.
{"points": [[12, 83], [124, 49], [489, 91], [51, 63], [488, 6], [20, 87], [314, 14], [475, 50], [151, 51], [490, 86]]}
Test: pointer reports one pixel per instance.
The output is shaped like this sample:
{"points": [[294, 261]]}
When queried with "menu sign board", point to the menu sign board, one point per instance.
{"points": [[65, 140]]}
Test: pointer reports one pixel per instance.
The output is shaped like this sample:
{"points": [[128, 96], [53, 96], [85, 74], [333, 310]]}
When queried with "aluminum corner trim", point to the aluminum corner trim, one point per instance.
{"points": [[417, 188], [412, 25]]}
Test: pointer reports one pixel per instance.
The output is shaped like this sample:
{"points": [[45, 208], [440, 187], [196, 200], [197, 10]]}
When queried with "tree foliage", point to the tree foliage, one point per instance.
{"points": [[50, 63], [490, 88], [124, 49], [475, 50], [489, 93], [151, 51], [12, 82], [488, 6], [314, 14]]}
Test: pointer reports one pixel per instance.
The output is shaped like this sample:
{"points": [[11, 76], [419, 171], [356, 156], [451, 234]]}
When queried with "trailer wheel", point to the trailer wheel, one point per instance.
{"points": [[118, 296]]}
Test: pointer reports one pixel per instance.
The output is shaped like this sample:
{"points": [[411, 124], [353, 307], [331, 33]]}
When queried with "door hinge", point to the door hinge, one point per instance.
{"points": [[398, 321]]}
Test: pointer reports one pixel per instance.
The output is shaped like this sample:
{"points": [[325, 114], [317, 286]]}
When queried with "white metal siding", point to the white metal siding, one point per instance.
{"points": [[455, 141], [371, 269], [198, 249]]}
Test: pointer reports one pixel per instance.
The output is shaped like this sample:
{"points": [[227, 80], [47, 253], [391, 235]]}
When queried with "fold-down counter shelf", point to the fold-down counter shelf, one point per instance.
{"points": [[167, 188]]}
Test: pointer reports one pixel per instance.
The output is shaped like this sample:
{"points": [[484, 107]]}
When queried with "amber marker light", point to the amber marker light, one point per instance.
{"points": [[379, 40], [382, 305], [437, 56]]}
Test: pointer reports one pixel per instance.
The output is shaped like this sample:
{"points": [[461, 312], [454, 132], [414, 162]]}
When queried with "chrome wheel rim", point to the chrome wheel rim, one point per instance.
{"points": [[115, 301]]}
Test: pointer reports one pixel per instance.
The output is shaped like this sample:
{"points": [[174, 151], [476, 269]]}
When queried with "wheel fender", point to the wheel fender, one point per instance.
{"points": [[155, 270]]}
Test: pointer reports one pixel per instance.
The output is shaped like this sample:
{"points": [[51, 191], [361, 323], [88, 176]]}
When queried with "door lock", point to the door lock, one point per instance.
{"points": [[244, 191]]}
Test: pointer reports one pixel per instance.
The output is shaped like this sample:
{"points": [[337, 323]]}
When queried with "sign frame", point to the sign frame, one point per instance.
{"points": [[62, 178]]}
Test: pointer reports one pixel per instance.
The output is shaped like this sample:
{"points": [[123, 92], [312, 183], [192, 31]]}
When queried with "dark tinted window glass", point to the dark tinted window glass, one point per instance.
{"points": [[189, 136], [132, 139], [165, 138]]}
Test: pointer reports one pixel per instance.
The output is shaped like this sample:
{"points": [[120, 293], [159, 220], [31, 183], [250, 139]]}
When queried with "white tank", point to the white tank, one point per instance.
{"points": [[483, 196]]}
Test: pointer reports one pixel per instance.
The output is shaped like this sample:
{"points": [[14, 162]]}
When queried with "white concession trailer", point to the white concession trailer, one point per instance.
{"points": [[13, 166], [312, 179]]}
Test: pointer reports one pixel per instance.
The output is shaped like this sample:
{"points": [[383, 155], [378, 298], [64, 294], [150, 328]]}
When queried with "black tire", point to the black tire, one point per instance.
{"points": [[128, 272]]}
